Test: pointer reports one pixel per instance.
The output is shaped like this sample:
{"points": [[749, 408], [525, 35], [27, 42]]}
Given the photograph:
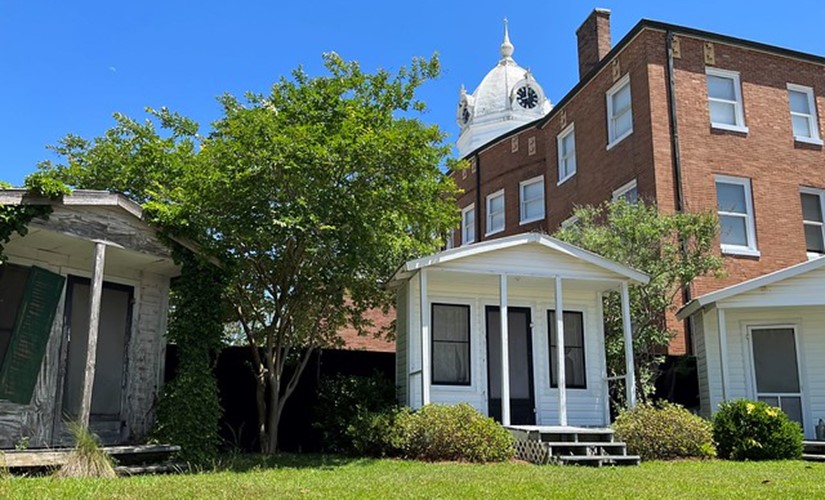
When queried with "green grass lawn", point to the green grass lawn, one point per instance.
{"points": [[292, 476]]}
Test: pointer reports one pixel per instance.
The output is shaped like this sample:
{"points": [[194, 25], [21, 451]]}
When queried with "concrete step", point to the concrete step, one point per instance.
{"points": [[599, 460]]}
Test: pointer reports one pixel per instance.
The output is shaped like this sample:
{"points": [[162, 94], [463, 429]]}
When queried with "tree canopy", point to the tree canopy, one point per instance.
{"points": [[310, 196]]}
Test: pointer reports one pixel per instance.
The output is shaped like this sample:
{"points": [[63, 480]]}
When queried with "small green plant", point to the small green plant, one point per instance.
{"points": [[664, 432], [22, 443], [753, 430], [87, 459], [457, 433]]}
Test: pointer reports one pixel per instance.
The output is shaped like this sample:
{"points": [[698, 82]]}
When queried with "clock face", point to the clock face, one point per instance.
{"points": [[527, 97]]}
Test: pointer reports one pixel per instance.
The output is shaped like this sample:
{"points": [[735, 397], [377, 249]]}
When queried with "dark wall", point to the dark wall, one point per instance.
{"points": [[237, 393]]}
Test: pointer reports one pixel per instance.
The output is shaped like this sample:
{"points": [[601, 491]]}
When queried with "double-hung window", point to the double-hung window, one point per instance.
{"points": [[725, 100], [629, 192], [619, 112], [735, 208], [468, 224], [812, 220], [531, 200], [803, 114], [574, 370], [451, 344], [567, 153], [495, 212]]}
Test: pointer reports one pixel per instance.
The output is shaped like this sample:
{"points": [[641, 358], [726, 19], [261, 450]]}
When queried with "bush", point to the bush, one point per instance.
{"points": [[664, 432], [356, 415], [460, 432], [751, 430]]}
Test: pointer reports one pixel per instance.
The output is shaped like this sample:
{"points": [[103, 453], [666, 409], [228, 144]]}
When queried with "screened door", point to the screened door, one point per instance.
{"points": [[776, 369], [110, 364], [522, 404]]}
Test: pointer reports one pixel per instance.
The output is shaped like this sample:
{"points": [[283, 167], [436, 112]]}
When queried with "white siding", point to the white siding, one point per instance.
{"points": [[810, 328], [701, 363], [401, 362], [805, 289]]}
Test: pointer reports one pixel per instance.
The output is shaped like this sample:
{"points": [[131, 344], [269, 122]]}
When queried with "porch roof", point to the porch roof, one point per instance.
{"points": [[552, 246], [785, 287]]}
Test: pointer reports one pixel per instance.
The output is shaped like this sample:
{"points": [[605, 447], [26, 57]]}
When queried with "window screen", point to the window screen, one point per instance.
{"points": [[574, 367], [451, 344]]}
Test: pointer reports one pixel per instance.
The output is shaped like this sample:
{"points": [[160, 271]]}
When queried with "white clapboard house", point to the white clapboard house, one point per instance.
{"points": [[479, 324], [92, 278], [764, 339]]}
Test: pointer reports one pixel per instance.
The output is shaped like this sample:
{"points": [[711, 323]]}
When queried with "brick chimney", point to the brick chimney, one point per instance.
{"points": [[594, 40]]}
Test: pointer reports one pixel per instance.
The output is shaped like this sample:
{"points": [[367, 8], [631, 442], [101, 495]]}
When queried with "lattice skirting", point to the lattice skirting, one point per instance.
{"points": [[534, 451]]}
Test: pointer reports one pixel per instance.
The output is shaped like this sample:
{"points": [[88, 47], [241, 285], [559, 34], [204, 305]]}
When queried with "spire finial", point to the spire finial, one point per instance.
{"points": [[506, 46]]}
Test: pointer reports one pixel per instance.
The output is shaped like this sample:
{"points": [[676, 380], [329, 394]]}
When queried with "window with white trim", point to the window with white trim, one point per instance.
{"points": [[735, 208], [725, 100], [629, 192], [813, 201], [531, 200], [468, 224], [495, 212], [619, 112], [803, 114], [566, 141], [451, 344]]}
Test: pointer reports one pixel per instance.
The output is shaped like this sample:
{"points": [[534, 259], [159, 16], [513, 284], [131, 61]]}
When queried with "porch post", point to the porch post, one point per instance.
{"points": [[426, 358], [723, 352], [96, 293], [630, 377], [505, 352], [560, 354]]}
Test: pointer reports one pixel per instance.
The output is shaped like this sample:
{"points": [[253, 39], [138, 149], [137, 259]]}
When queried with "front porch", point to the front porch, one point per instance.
{"points": [[478, 324]]}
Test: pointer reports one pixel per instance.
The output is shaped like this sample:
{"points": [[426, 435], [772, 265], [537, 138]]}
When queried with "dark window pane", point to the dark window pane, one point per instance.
{"points": [[774, 357], [813, 238], [811, 210], [451, 344], [574, 362]]}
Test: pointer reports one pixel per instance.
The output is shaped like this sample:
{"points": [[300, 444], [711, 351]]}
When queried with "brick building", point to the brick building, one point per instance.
{"points": [[688, 119]]}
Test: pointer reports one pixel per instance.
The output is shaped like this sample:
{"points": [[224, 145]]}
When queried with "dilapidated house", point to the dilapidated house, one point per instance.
{"points": [[92, 277]]}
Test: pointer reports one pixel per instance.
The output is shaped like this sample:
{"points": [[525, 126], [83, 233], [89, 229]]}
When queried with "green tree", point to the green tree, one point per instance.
{"points": [[673, 248], [310, 196]]}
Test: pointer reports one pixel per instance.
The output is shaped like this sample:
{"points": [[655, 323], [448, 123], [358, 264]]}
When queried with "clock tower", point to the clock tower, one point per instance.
{"points": [[506, 98]]}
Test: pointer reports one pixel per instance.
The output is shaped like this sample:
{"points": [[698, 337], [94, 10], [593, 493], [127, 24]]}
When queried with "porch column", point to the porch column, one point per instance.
{"points": [[560, 354], [505, 352], [723, 352], [426, 358], [630, 377], [96, 292]]}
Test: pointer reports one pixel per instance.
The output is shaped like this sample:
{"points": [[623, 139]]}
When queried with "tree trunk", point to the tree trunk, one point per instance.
{"points": [[260, 403], [274, 416]]}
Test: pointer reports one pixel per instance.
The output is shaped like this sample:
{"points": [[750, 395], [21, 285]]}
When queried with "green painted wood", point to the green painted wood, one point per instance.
{"points": [[21, 366]]}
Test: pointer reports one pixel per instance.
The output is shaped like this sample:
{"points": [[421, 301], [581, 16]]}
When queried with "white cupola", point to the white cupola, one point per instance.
{"points": [[506, 98]]}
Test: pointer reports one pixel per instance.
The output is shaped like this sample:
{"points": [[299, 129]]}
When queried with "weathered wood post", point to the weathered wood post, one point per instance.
{"points": [[96, 293]]}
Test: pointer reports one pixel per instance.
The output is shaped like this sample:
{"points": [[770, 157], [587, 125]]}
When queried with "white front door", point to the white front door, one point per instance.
{"points": [[776, 368]]}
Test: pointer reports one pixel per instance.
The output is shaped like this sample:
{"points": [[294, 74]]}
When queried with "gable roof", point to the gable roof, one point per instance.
{"points": [[747, 286], [408, 269]]}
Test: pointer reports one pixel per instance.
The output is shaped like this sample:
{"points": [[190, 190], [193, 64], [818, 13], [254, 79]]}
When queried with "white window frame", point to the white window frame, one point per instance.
{"points": [[569, 222], [821, 195], [522, 202], [611, 140], [738, 105], [620, 192], [489, 215], [813, 121], [750, 249], [464, 238], [570, 130]]}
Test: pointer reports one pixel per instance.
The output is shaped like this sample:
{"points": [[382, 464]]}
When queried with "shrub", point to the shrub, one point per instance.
{"points": [[664, 432], [460, 432], [356, 415], [751, 430]]}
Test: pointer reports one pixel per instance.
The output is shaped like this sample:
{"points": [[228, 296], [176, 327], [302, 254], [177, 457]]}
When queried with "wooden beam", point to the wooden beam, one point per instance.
{"points": [[505, 351], [630, 378], [561, 374], [96, 293], [426, 358]]}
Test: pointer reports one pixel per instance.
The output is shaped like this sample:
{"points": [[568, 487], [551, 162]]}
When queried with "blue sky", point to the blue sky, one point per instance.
{"points": [[67, 66]]}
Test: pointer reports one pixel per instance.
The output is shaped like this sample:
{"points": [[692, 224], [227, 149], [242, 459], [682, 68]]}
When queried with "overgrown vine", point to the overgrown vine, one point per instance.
{"points": [[16, 218], [189, 410]]}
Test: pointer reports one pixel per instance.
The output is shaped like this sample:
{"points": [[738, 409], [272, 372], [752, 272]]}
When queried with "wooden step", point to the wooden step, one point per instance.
{"points": [[814, 446], [813, 457], [586, 448], [126, 455], [599, 460], [163, 468]]}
